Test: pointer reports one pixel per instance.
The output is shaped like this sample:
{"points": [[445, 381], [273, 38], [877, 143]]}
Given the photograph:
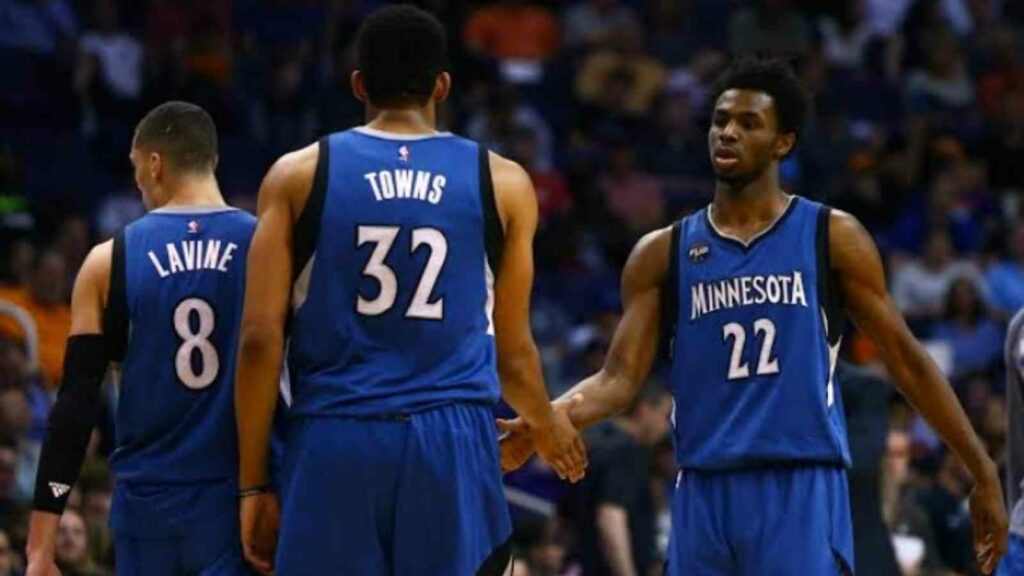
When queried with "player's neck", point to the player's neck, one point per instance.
{"points": [[403, 120], [746, 208], [194, 191]]}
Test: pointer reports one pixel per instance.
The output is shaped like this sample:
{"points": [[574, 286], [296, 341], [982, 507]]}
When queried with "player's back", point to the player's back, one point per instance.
{"points": [[757, 335], [394, 258], [179, 282]]}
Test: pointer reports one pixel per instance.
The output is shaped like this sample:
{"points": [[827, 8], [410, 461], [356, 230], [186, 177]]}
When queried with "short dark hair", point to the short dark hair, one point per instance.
{"points": [[773, 77], [182, 132], [400, 51]]}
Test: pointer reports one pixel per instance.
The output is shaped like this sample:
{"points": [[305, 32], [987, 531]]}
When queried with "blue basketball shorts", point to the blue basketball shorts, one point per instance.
{"points": [[1013, 562], [411, 495], [762, 522], [177, 530]]}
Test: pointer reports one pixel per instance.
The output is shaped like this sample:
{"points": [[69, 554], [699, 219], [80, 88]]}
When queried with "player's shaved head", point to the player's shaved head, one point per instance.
{"points": [[182, 133], [401, 50]]}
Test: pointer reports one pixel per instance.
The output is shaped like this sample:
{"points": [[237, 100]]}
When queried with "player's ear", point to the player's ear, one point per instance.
{"points": [[156, 166], [358, 83], [442, 87], [784, 143]]}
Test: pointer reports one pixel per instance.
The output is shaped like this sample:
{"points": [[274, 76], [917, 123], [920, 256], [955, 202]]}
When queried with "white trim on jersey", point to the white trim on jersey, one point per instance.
{"points": [[284, 384], [301, 287], [489, 305], [194, 209], [747, 243], [396, 136]]}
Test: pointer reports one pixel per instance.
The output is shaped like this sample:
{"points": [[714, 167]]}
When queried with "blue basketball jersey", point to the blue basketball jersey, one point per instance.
{"points": [[183, 287], [757, 332], [394, 254]]}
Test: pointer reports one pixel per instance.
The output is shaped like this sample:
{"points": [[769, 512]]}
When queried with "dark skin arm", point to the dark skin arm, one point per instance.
{"points": [[522, 382], [858, 267], [630, 357], [268, 288]]}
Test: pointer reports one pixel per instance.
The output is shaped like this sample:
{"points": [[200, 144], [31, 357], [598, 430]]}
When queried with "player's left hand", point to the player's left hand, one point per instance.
{"points": [[515, 444], [988, 513]]}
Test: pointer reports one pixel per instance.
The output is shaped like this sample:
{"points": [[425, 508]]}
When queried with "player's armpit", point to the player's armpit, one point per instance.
{"points": [[635, 343]]}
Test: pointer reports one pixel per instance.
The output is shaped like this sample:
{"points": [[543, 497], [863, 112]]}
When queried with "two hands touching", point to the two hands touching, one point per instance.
{"points": [[559, 444]]}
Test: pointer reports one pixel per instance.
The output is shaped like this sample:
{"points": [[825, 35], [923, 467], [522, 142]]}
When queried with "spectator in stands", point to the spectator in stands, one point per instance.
{"points": [[108, 77], [920, 287], [543, 549], [512, 29], [7, 556], [45, 299], [72, 241], [635, 197], [13, 513], [769, 26], [283, 116], [913, 541], [976, 340], [506, 112], [1005, 147], [553, 195], [673, 30], [617, 522], [626, 58], [949, 517], [675, 145], [847, 36], [20, 256], [72, 551], [96, 484], [35, 41], [1005, 278], [591, 23], [942, 88]]}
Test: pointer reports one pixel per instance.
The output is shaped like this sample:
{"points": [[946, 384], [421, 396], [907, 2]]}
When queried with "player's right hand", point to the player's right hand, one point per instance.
{"points": [[260, 517], [559, 444], [988, 513], [41, 567]]}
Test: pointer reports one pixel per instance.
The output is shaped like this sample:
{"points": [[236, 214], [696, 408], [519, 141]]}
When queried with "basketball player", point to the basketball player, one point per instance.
{"points": [[163, 299], [400, 260], [751, 291], [1013, 563]]}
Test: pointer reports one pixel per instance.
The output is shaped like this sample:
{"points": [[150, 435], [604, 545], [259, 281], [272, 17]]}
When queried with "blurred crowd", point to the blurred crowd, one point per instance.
{"points": [[917, 129]]}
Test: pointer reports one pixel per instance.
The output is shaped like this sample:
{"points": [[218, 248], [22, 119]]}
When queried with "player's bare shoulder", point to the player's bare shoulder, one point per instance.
{"points": [[649, 261], [291, 178], [850, 244], [95, 270], [513, 188]]}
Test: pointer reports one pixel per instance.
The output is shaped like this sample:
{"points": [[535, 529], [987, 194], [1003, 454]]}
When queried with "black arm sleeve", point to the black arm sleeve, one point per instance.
{"points": [[71, 421]]}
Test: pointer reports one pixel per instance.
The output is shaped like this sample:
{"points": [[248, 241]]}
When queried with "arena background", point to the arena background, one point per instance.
{"points": [[917, 129]]}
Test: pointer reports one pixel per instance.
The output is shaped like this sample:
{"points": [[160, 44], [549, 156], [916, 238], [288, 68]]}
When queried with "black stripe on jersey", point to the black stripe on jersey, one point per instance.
{"points": [[494, 233], [115, 315], [828, 286], [670, 292], [307, 228]]}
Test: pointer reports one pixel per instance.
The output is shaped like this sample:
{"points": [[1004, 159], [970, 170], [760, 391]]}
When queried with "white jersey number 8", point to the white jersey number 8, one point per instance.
{"points": [[192, 341]]}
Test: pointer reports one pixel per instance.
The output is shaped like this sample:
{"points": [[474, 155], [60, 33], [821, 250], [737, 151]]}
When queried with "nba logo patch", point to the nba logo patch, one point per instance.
{"points": [[699, 252], [193, 227], [403, 153]]}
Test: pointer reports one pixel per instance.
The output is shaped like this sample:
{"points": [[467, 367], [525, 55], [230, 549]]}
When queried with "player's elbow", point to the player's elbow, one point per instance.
{"points": [[259, 336]]}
